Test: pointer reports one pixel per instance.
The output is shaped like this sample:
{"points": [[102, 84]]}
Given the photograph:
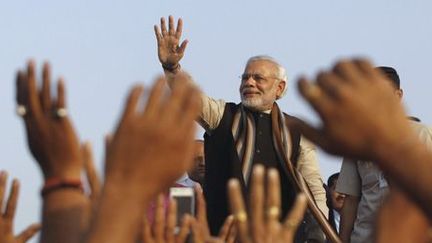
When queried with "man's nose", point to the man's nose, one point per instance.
{"points": [[249, 81]]}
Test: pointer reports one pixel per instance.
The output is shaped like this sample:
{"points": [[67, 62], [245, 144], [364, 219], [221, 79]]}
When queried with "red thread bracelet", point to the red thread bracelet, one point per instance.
{"points": [[53, 184]]}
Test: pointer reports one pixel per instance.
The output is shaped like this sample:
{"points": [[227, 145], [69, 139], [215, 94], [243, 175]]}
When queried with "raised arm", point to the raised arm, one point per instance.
{"points": [[170, 51], [149, 150], [55, 146]]}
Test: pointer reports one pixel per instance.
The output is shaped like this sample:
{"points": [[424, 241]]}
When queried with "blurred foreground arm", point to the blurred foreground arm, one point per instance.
{"points": [[150, 149], [362, 119]]}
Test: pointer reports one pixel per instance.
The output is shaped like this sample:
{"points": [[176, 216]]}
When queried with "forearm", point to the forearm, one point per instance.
{"points": [[63, 215], [408, 160], [170, 76], [348, 216], [118, 217]]}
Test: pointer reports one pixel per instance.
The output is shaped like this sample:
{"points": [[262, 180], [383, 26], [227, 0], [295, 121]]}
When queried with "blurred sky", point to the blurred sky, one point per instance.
{"points": [[103, 47]]}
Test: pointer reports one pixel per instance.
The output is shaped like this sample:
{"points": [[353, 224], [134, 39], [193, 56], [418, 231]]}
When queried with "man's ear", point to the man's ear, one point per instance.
{"points": [[399, 93], [280, 89]]}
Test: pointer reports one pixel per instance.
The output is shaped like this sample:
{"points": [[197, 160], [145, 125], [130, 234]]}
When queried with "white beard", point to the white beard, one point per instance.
{"points": [[253, 103]]}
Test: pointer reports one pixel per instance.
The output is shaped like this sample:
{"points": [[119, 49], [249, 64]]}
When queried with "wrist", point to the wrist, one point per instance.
{"points": [[56, 184], [172, 68]]}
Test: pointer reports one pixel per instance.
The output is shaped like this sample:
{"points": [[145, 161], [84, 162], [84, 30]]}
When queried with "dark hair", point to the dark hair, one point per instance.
{"points": [[391, 74], [332, 179]]}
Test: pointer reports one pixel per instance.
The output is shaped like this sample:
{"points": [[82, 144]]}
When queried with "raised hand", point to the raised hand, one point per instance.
{"points": [[8, 214], [163, 228], [359, 111], [51, 137], [200, 229], [264, 224], [170, 51], [149, 150], [151, 146]]}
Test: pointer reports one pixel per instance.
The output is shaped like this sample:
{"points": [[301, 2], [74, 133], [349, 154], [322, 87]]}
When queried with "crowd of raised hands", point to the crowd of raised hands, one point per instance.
{"points": [[152, 146]]}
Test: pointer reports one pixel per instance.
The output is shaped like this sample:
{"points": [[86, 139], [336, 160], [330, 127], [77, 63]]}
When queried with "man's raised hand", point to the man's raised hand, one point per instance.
{"points": [[170, 51]]}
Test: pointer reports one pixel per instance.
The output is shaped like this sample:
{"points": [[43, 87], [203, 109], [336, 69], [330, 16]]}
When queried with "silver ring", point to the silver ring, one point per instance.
{"points": [[21, 110], [61, 112]]}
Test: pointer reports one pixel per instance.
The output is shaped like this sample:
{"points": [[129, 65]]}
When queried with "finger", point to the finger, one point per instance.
{"points": [[201, 206], [197, 232], [331, 84], [315, 97], [159, 223], [273, 201], [367, 69], [12, 202], [171, 220], [179, 28], [232, 234], [90, 170], [158, 34], [61, 94], [348, 72], [163, 27], [171, 28], [238, 209], [295, 216], [21, 88], [132, 101], [28, 233], [184, 229], [3, 179], [46, 89], [147, 236], [225, 229], [182, 47], [108, 141], [153, 105], [32, 94], [257, 200]]}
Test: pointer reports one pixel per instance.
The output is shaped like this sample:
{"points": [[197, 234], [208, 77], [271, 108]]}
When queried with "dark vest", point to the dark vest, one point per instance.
{"points": [[222, 163]]}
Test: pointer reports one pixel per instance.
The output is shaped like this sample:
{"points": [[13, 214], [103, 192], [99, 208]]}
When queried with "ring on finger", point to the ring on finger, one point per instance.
{"points": [[61, 112], [273, 212], [21, 110], [241, 216]]}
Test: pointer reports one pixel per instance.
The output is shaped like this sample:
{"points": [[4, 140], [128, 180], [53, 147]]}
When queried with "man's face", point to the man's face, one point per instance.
{"points": [[336, 197], [197, 173], [260, 86]]}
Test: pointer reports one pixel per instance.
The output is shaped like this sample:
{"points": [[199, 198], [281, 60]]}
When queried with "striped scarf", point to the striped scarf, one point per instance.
{"points": [[243, 131]]}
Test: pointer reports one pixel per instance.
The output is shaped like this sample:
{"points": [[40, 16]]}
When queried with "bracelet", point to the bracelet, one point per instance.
{"points": [[53, 184], [170, 68]]}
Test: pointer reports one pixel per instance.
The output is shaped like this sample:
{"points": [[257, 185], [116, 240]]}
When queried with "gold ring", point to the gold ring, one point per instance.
{"points": [[241, 216], [21, 110], [273, 212], [313, 91]]}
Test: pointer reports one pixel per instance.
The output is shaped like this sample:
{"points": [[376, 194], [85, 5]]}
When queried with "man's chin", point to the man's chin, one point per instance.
{"points": [[252, 104]]}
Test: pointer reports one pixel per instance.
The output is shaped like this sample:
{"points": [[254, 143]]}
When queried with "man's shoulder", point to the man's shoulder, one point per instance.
{"points": [[423, 131]]}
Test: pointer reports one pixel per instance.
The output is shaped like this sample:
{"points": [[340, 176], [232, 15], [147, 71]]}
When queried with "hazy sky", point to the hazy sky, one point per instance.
{"points": [[103, 47]]}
